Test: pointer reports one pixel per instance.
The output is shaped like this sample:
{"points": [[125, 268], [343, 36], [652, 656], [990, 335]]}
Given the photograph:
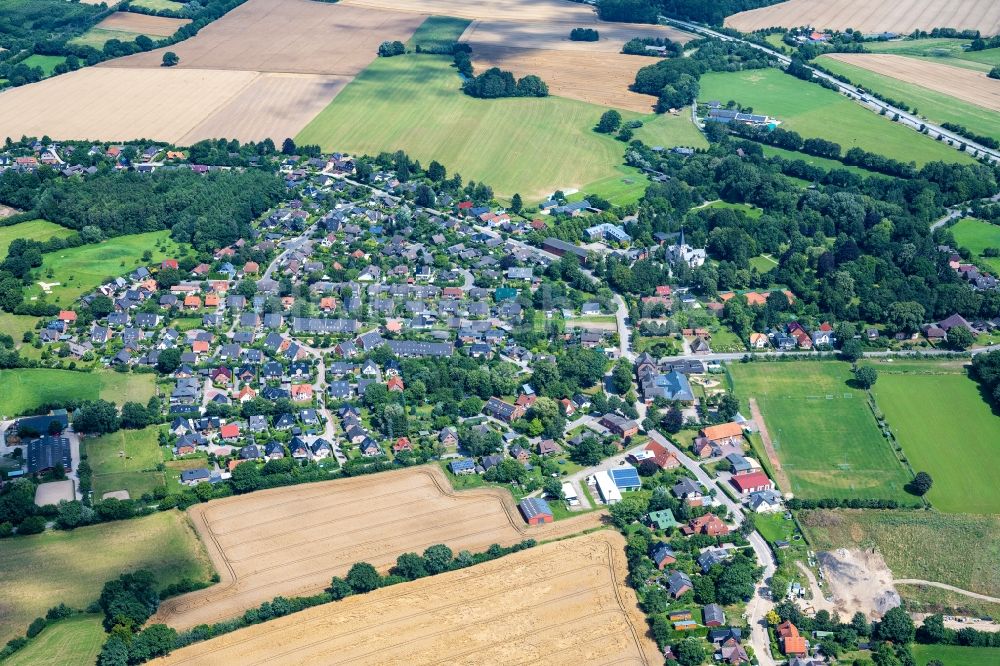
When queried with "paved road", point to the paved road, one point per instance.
{"points": [[290, 247], [905, 118]]}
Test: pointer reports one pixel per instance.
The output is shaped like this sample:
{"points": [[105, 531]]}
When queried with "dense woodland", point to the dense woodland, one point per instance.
{"points": [[646, 11], [850, 248]]}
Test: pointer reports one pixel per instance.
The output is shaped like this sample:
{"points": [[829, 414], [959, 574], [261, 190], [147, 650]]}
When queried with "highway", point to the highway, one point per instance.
{"points": [[906, 118]]}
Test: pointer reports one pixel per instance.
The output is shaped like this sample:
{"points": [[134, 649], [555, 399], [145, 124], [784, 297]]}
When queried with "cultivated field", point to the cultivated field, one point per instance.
{"points": [[501, 10], [297, 36], [597, 78], [41, 571], [291, 541], [871, 16], [37, 230], [154, 26], [940, 49], [977, 235], [72, 272], [413, 103], [937, 105], [135, 471], [823, 432], [75, 641], [25, 389], [554, 36], [963, 84], [814, 111], [561, 603], [959, 550], [925, 408]]}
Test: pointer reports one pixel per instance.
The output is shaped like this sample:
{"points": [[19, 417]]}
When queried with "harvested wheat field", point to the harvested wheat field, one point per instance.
{"points": [[167, 105], [296, 36], [554, 35], [560, 603], [291, 541], [964, 84], [503, 10], [870, 16], [598, 78], [154, 26]]}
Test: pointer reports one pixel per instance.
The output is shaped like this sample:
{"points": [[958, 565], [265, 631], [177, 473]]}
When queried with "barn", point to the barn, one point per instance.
{"points": [[626, 478], [535, 510]]}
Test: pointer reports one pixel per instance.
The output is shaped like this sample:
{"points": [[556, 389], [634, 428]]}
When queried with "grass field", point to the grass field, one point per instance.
{"points": [[41, 571], [75, 641], [763, 264], [47, 63], [926, 599], [959, 550], [81, 269], [944, 50], [135, 472], [815, 112], [976, 236], [438, 32], [98, 37], [15, 325], [159, 4], [38, 230], [956, 655], [823, 432], [668, 130], [821, 162], [25, 389], [531, 146], [937, 107], [925, 411]]}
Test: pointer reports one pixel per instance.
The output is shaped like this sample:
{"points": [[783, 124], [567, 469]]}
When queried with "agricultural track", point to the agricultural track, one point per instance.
{"points": [[291, 541]]}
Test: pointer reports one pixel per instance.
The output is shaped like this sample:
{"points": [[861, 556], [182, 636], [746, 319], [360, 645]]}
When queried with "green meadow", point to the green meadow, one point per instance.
{"points": [[38, 230], [940, 49], [815, 112], [46, 62], [98, 37], [947, 430], [935, 106], [126, 460], [438, 32], [976, 236], [823, 431], [26, 389], [531, 146], [956, 655], [75, 641]]}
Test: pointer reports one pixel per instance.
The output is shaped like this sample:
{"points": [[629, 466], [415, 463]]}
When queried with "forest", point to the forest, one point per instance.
{"points": [[646, 11]]}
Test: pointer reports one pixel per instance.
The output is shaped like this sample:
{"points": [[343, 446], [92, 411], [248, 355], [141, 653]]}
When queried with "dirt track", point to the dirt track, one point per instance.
{"points": [[870, 16], [561, 603], [964, 84], [784, 483], [297, 36], [291, 541]]}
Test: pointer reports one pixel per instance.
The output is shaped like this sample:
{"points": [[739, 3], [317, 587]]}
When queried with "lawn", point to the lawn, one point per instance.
{"points": [[667, 130], [815, 112], [15, 325], [627, 186], [823, 431], [946, 430], [135, 472], [935, 106], [41, 571], [956, 655], [531, 146], [763, 263], [98, 37], [46, 62], [75, 641], [976, 236], [438, 32], [26, 389], [37, 230], [159, 4], [79, 270], [959, 550], [751, 211]]}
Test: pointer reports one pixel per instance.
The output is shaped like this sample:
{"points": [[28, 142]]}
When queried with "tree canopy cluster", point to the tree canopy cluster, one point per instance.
{"points": [[495, 82], [584, 35]]}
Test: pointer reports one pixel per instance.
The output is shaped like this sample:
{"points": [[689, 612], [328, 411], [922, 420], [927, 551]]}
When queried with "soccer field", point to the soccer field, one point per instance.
{"points": [[815, 112], [946, 430], [823, 431], [531, 146]]}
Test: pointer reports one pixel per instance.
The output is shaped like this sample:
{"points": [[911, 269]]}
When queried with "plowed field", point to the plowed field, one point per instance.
{"points": [[554, 35], [157, 26], [561, 603], [291, 541]]}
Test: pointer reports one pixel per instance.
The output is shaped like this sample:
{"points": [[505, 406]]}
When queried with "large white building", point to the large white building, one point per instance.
{"points": [[606, 487], [681, 251]]}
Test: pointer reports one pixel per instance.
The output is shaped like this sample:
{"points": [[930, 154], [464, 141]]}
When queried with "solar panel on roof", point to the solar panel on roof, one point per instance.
{"points": [[626, 477]]}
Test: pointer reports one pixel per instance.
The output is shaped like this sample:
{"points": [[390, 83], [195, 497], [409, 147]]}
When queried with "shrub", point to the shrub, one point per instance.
{"points": [[584, 35]]}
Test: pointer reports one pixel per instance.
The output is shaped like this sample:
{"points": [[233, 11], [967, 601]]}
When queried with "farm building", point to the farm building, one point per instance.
{"points": [[45, 453], [752, 482], [535, 510], [606, 487], [460, 467], [626, 478]]}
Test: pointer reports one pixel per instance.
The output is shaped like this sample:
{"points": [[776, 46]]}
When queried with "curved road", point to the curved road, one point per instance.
{"points": [[877, 106]]}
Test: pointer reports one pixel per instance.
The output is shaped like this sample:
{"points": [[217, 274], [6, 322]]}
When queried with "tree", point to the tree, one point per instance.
{"points": [[169, 360], [896, 626], [852, 351], [866, 376], [410, 566], [673, 420], [288, 147], [960, 338], [437, 558], [689, 652], [610, 122], [553, 488], [390, 49], [153, 641], [735, 582], [921, 483], [728, 406], [516, 204], [362, 577], [339, 588], [436, 172], [246, 477], [96, 417], [114, 652], [621, 377], [932, 630], [129, 600], [170, 59], [134, 416], [995, 72], [628, 510]]}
